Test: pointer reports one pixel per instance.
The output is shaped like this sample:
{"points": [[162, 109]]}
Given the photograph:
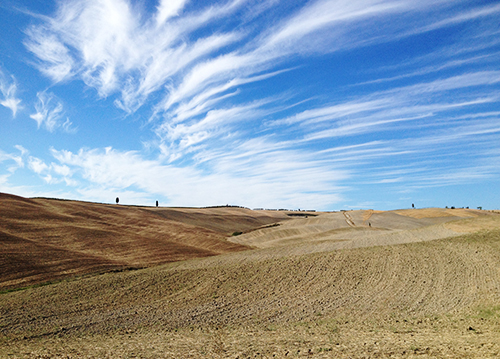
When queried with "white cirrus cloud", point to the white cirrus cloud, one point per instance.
{"points": [[17, 158], [8, 90], [168, 9], [49, 113], [113, 48]]}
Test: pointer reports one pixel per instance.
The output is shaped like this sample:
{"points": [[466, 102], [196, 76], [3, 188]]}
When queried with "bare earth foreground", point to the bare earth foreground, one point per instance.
{"points": [[173, 283]]}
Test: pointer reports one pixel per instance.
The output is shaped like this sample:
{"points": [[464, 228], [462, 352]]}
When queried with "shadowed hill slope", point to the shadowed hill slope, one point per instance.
{"points": [[46, 239]]}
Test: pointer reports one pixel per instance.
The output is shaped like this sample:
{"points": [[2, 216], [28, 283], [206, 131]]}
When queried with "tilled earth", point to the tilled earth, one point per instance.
{"points": [[44, 240], [438, 298]]}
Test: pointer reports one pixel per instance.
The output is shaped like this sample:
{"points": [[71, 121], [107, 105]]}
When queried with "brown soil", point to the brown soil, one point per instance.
{"points": [[44, 239], [398, 297]]}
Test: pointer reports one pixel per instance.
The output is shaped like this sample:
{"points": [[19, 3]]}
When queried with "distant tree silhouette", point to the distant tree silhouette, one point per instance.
{"points": [[156, 203], [117, 200]]}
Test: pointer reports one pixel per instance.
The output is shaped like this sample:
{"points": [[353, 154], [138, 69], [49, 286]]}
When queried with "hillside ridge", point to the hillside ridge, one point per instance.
{"points": [[45, 239]]}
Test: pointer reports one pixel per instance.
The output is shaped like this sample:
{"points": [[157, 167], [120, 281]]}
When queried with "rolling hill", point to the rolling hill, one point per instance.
{"points": [[360, 284], [46, 239]]}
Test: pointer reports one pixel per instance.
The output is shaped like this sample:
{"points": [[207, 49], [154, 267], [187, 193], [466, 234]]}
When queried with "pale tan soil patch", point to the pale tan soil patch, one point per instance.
{"points": [[354, 230]]}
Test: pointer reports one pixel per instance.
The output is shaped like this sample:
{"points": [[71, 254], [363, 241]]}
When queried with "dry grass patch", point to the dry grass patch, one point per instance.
{"points": [[437, 212], [484, 221]]}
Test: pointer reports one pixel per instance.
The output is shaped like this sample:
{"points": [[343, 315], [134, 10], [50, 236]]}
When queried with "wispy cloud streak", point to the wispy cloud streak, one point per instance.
{"points": [[8, 89], [49, 113]]}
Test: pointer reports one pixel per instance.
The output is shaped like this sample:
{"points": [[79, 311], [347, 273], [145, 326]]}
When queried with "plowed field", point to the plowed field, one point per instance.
{"points": [[45, 240], [387, 284]]}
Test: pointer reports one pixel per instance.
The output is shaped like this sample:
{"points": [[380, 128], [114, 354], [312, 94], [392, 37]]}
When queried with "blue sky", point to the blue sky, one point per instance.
{"points": [[320, 105]]}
